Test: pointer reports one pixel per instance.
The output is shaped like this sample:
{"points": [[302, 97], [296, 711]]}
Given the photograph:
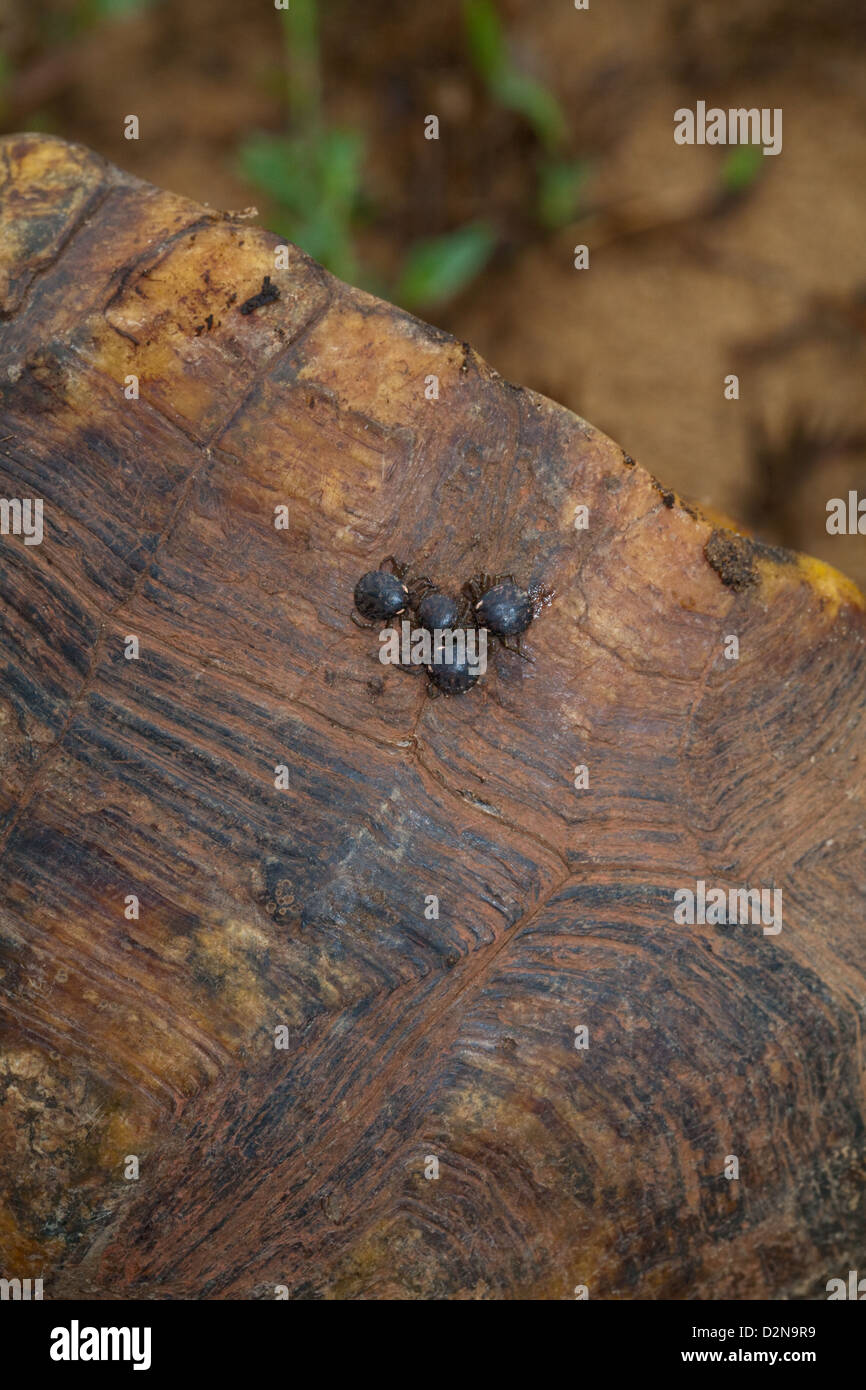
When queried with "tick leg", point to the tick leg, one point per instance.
{"points": [[399, 570], [466, 613], [419, 589], [359, 622], [517, 651]]}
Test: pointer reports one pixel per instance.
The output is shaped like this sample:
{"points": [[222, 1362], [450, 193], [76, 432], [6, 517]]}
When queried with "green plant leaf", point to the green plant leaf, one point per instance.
{"points": [[742, 168], [560, 185], [338, 164], [280, 167], [534, 102], [300, 25], [437, 269], [314, 184], [91, 12], [513, 89], [485, 37]]}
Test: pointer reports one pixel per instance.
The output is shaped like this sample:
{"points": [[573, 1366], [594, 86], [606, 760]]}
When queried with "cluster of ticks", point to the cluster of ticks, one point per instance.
{"points": [[496, 603]]}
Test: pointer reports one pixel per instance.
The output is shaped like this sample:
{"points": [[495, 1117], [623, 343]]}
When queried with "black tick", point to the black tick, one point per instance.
{"points": [[380, 595], [452, 676], [437, 610]]}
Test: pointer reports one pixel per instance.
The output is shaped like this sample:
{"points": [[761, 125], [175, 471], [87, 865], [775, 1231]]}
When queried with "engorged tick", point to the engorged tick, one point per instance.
{"points": [[450, 674], [499, 604], [505, 609], [380, 595], [437, 610]]}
